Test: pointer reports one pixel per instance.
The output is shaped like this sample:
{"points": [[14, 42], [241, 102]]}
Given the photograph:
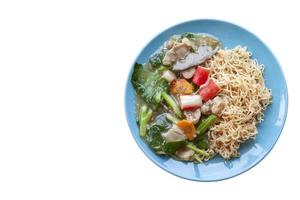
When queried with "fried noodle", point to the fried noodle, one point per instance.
{"points": [[246, 97]]}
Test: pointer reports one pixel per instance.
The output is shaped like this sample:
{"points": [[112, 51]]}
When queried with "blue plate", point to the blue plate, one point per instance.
{"points": [[253, 151]]}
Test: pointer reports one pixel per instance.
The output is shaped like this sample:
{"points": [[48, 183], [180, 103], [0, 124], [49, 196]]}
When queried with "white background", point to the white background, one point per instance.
{"points": [[63, 68]]}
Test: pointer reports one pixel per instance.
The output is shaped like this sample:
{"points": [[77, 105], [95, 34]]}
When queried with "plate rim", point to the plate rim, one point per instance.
{"points": [[211, 20]]}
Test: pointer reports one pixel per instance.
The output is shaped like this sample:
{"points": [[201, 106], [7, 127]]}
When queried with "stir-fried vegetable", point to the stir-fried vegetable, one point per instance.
{"points": [[188, 128], [172, 104], [154, 134], [171, 118], [197, 150], [188, 35], [155, 137], [171, 147], [166, 87], [205, 124], [181, 86], [197, 158], [149, 85], [145, 115], [156, 59], [202, 144]]}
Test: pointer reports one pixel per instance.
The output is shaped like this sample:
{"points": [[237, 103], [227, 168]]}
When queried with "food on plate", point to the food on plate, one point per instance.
{"points": [[195, 99]]}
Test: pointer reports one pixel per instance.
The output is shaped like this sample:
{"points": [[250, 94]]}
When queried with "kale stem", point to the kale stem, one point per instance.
{"points": [[197, 158], [144, 118], [172, 104], [206, 124], [171, 118], [199, 151]]}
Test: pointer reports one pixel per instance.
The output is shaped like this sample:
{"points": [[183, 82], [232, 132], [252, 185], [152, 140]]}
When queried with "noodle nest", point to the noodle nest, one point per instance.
{"points": [[245, 95]]}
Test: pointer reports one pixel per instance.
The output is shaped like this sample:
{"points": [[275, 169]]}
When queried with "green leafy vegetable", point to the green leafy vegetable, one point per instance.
{"points": [[149, 85], [161, 120], [171, 118], [205, 124], [171, 147], [155, 139], [188, 35], [162, 68], [156, 59], [202, 144], [145, 115]]}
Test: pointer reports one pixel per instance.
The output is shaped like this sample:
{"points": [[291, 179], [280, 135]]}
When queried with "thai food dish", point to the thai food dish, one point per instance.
{"points": [[196, 99]]}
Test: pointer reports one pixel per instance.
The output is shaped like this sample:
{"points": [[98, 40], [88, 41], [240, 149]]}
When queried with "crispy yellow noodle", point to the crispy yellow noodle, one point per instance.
{"points": [[245, 95]]}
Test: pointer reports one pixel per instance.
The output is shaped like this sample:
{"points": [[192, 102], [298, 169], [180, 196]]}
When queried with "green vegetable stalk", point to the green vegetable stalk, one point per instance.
{"points": [[206, 124], [171, 118], [172, 104], [197, 158], [145, 115], [198, 151]]}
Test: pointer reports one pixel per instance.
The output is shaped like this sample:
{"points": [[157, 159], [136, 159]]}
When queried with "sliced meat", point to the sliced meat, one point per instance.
{"points": [[214, 106], [181, 50], [188, 73], [218, 105], [169, 58], [206, 108], [178, 51], [192, 59], [193, 115], [174, 134], [169, 44], [185, 154], [187, 42]]}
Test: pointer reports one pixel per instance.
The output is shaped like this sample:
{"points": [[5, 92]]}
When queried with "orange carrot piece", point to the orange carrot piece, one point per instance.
{"points": [[188, 128], [181, 86]]}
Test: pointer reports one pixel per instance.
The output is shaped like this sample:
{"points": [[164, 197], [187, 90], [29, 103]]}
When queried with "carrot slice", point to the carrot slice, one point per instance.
{"points": [[188, 128], [181, 86]]}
